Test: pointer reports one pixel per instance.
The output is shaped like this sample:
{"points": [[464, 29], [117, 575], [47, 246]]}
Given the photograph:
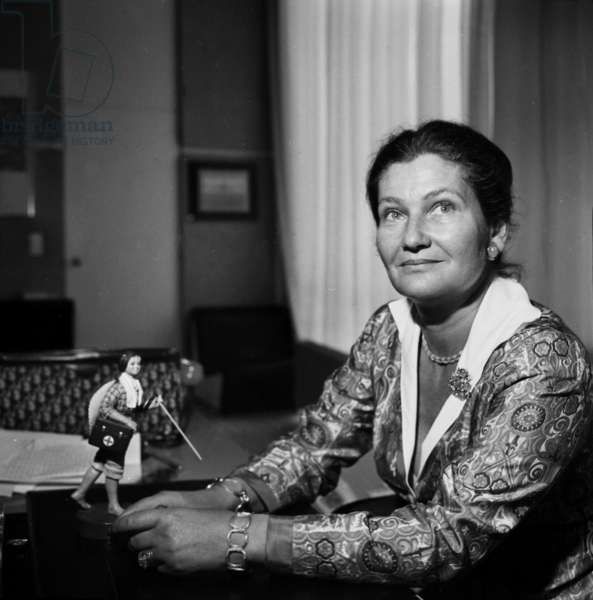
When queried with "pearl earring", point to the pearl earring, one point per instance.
{"points": [[492, 251]]}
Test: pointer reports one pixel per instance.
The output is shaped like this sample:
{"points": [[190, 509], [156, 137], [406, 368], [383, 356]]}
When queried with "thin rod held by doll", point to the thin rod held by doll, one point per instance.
{"points": [[187, 441]]}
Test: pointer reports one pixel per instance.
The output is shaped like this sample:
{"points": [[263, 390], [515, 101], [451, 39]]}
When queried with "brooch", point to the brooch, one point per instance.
{"points": [[460, 384]]}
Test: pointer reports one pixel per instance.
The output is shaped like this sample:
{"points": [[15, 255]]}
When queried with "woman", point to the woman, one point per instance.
{"points": [[117, 400], [476, 402]]}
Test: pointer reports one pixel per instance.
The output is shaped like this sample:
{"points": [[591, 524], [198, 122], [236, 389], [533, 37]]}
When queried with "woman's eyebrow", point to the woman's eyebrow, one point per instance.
{"points": [[443, 190], [427, 196], [389, 200]]}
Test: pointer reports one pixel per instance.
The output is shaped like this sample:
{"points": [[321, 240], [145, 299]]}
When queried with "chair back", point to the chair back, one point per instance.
{"points": [[240, 336]]}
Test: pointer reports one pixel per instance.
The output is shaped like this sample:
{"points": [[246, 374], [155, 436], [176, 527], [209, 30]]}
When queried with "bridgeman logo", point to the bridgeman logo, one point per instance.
{"points": [[87, 74], [59, 103], [16, 130]]}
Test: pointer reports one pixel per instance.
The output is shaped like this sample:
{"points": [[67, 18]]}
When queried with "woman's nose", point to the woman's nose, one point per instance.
{"points": [[415, 236]]}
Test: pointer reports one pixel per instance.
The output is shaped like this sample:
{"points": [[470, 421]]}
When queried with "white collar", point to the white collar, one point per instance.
{"points": [[504, 308], [133, 390]]}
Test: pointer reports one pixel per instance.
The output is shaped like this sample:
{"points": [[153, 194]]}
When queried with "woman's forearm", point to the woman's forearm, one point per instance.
{"points": [[256, 546]]}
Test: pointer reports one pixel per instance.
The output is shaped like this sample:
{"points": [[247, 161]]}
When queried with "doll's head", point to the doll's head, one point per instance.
{"points": [[130, 363]]}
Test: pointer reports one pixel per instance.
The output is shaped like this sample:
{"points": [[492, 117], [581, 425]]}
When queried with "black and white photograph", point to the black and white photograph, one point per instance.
{"points": [[296, 299]]}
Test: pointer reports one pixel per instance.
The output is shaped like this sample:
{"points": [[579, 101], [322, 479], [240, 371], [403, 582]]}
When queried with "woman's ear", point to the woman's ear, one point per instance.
{"points": [[498, 237]]}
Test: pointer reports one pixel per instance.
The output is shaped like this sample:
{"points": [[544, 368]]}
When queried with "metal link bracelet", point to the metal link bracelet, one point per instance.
{"points": [[237, 539], [237, 536]]}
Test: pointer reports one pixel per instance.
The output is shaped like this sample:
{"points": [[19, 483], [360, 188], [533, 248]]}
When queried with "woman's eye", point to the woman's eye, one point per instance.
{"points": [[391, 214], [443, 207]]}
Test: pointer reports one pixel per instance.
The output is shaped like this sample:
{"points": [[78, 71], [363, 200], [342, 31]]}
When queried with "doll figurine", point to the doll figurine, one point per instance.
{"points": [[115, 400]]}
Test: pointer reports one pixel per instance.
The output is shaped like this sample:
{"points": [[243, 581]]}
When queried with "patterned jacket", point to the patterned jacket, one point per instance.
{"points": [[115, 398], [505, 496]]}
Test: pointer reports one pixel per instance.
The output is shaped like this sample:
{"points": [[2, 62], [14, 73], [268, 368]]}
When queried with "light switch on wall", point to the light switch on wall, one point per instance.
{"points": [[36, 244]]}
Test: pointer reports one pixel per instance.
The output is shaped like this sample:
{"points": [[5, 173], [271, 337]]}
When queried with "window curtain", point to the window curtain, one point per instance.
{"points": [[348, 72], [544, 120]]}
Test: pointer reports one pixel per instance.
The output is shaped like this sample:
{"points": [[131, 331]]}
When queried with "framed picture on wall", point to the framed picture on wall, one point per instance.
{"points": [[221, 190]]}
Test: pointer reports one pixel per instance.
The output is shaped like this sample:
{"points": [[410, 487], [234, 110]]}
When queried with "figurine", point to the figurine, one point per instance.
{"points": [[115, 400]]}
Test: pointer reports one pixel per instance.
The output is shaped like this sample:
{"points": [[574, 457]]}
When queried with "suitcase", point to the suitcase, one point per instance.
{"points": [[110, 435]]}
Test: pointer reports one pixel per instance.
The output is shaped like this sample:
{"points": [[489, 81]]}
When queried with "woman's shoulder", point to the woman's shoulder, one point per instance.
{"points": [[548, 341], [383, 313], [380, 321], [377, 336], [549, 326]]}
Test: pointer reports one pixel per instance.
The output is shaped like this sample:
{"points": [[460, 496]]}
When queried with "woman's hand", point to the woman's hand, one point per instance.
{"points": [[214, 498], [181, 540]]}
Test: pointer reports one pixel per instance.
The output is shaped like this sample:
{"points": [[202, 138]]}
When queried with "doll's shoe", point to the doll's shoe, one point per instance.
{"points": [[80, 501]]}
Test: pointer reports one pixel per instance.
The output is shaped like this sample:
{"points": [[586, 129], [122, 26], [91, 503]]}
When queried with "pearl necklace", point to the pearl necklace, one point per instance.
{"points": [[439, 360]]}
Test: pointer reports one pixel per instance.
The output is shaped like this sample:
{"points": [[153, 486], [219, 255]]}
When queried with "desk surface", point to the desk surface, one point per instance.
{"points": [[67, 566]]}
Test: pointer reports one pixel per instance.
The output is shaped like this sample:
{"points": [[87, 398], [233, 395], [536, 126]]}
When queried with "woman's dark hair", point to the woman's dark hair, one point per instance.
{"points": [[124, 359], [487, 168]]}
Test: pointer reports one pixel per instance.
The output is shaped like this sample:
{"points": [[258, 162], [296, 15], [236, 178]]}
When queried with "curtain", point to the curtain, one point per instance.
{"points": [[544, 120], [347, 73]]}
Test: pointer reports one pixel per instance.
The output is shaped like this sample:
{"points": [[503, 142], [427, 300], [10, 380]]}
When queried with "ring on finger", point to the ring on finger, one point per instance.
{"points": [[145, 559]]}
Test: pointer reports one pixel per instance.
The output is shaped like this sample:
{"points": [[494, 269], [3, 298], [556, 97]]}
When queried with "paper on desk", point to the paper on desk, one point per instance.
{"points": [[30, 458]]}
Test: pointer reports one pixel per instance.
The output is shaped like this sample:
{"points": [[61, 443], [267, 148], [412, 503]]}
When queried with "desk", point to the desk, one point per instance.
{"points": [[62, 565]]}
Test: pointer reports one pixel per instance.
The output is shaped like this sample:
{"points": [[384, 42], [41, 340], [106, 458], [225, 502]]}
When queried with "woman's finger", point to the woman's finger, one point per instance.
{"points": [[160, 500], [142, 540], [144, 504], [136, 521]]}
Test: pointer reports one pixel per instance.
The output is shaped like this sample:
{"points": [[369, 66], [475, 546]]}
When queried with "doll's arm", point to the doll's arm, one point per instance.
{"points": [[152, 403], [115, 415], [108, 409]]}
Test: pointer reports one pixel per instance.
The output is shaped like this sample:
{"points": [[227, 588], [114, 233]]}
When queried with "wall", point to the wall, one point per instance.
{"points": [[28, 53], [121, 230], [24, 273], [224, 116], [122, 198], [544, 121]]}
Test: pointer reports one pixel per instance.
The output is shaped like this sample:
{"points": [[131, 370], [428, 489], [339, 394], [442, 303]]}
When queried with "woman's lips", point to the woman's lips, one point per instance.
{"points": [[418, 262]]}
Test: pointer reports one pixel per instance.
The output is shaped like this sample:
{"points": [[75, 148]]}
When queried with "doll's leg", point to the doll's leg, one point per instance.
{"points": [[78, 495], [113, 473], [113, 505]]}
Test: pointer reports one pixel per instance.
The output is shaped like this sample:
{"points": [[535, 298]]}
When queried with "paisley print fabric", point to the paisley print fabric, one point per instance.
{"points": [[506, 495]]}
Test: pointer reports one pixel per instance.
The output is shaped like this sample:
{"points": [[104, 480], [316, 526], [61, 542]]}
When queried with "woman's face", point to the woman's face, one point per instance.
{"points": [[134, 365], [432, 234]]}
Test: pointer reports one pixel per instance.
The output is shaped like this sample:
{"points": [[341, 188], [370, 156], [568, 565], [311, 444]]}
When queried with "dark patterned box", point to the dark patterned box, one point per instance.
{"points": [[50, 391]]}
